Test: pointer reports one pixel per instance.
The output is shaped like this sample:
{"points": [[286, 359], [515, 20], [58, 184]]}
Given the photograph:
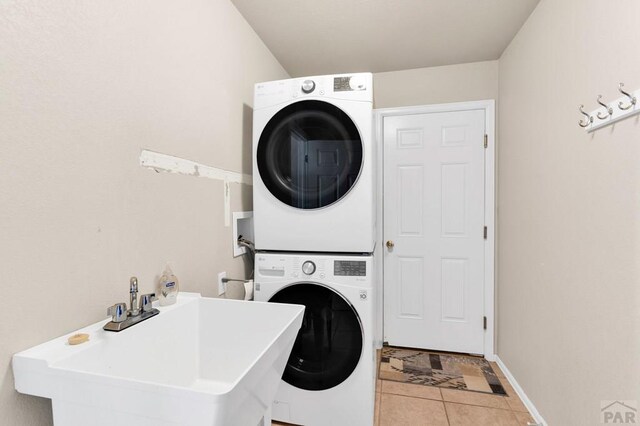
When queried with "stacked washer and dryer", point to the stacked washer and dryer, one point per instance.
{"points": [[314, 225]]}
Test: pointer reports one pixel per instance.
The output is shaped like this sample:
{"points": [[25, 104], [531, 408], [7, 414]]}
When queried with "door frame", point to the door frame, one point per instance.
{"points": [[488, 106]]}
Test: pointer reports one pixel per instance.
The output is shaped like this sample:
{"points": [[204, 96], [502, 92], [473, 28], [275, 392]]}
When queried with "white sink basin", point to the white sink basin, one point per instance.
{"points": [[201, 361]]}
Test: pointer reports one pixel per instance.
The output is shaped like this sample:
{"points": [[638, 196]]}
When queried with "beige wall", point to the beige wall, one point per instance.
{"points": [[423, 86], [85, 86], [569, 211]]}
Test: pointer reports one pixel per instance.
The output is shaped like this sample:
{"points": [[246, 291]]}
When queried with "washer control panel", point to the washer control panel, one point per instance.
{"points": [[308, 267], [331, 269], [350, 268]]}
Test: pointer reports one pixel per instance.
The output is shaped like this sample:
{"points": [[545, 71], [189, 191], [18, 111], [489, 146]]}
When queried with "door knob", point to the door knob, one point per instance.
{"points": [[390, 244]]}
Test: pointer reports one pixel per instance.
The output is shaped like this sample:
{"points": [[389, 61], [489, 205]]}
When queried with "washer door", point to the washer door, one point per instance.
{"points": [[329, 343], [309, 154]]}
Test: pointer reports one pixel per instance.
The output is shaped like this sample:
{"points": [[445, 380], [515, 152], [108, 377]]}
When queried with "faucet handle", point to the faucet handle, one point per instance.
{"points": [[118, 312], [146, 302]]}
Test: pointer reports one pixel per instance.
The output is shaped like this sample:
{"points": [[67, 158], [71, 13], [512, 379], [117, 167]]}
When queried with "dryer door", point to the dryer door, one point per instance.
{"points": [[309, 154], [329, 343]]}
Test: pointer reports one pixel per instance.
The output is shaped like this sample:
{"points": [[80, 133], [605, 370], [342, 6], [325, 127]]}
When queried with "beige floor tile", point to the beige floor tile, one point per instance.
{"points": [[514, 401], [408, 389], [376, 411], [508, 388], [474, 398], [378, 385], [524, 419], [396, 410], [516, 404], [467, 415], [497, 370]]}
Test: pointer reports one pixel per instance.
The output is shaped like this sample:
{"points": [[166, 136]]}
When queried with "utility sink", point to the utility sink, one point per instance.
{"points": [[202, 361]]}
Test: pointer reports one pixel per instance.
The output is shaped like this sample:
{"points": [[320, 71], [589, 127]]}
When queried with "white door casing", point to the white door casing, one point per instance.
{"points": [[434, 213]]}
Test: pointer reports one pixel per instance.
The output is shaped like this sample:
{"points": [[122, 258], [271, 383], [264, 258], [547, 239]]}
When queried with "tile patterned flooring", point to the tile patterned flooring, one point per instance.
{"points": [[400, 404]]}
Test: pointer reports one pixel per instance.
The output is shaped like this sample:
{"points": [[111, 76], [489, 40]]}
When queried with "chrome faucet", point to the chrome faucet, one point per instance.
{"points": [[122, 318], [133, 296]]}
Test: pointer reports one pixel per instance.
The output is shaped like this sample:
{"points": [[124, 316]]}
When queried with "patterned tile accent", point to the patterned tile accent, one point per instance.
{"points": [[439, 369]]}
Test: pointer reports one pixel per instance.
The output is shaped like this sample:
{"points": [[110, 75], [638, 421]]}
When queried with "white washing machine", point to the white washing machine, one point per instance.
{"points": [[330, 376], [313, 164]]}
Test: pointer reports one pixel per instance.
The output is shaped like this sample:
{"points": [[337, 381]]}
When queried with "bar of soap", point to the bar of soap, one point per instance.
{"points": [[77, 339]]}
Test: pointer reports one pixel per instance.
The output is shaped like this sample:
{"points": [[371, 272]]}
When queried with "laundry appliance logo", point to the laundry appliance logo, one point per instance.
{"points": [[619, 412]]}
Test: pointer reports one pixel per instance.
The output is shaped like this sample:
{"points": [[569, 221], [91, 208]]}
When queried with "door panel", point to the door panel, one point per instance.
{"points": [[453, 178], [411, 289], [434, 215], [453, 287], [410, 190]]}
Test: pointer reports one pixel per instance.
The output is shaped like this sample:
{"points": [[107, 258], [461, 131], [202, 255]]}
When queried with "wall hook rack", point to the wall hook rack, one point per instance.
{"points": [[609, 113]]}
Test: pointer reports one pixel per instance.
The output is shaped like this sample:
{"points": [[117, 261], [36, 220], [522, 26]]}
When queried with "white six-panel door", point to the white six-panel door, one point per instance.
{"points": [[434, 194]]}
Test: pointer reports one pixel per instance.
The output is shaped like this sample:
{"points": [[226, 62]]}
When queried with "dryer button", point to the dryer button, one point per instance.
{"points": [[322, 275]]}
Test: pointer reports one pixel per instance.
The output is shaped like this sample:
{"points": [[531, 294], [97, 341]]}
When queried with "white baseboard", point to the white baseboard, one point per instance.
{"points": [[525, 399]]}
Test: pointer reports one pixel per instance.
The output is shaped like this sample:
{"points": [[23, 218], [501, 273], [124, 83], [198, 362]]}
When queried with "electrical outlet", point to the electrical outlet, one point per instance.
{"points": [[221, 275]]}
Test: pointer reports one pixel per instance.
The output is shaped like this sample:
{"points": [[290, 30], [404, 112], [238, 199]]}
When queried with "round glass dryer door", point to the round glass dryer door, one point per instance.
{"points": [[310, 154], [329, 343]]}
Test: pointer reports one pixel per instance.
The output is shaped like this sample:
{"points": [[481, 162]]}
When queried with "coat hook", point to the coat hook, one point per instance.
{"points": [[607, 107], [632, 99], [588, 117]]}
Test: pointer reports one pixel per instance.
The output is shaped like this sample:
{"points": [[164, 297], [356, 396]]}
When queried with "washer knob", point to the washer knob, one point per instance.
{"points": [[308, 86], [308, 267]]}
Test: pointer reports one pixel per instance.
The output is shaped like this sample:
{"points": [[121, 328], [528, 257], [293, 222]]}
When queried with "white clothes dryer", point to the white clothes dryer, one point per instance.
{"points": [[329, 378], [313, 165]]}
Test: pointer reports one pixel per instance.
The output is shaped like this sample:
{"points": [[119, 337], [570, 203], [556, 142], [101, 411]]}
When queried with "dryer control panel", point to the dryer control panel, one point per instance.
{"points": [[349, 83], [348, 87], [350, 268]]}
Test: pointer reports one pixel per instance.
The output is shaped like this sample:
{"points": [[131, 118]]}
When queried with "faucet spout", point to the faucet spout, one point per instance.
{"points": [[133, 296]]}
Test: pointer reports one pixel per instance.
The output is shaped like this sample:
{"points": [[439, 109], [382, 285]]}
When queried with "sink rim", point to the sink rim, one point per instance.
{"points": [[63, 352]]}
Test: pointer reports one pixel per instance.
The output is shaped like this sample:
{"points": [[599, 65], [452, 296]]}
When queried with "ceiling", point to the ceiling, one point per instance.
{"points": [[311, 37]]}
